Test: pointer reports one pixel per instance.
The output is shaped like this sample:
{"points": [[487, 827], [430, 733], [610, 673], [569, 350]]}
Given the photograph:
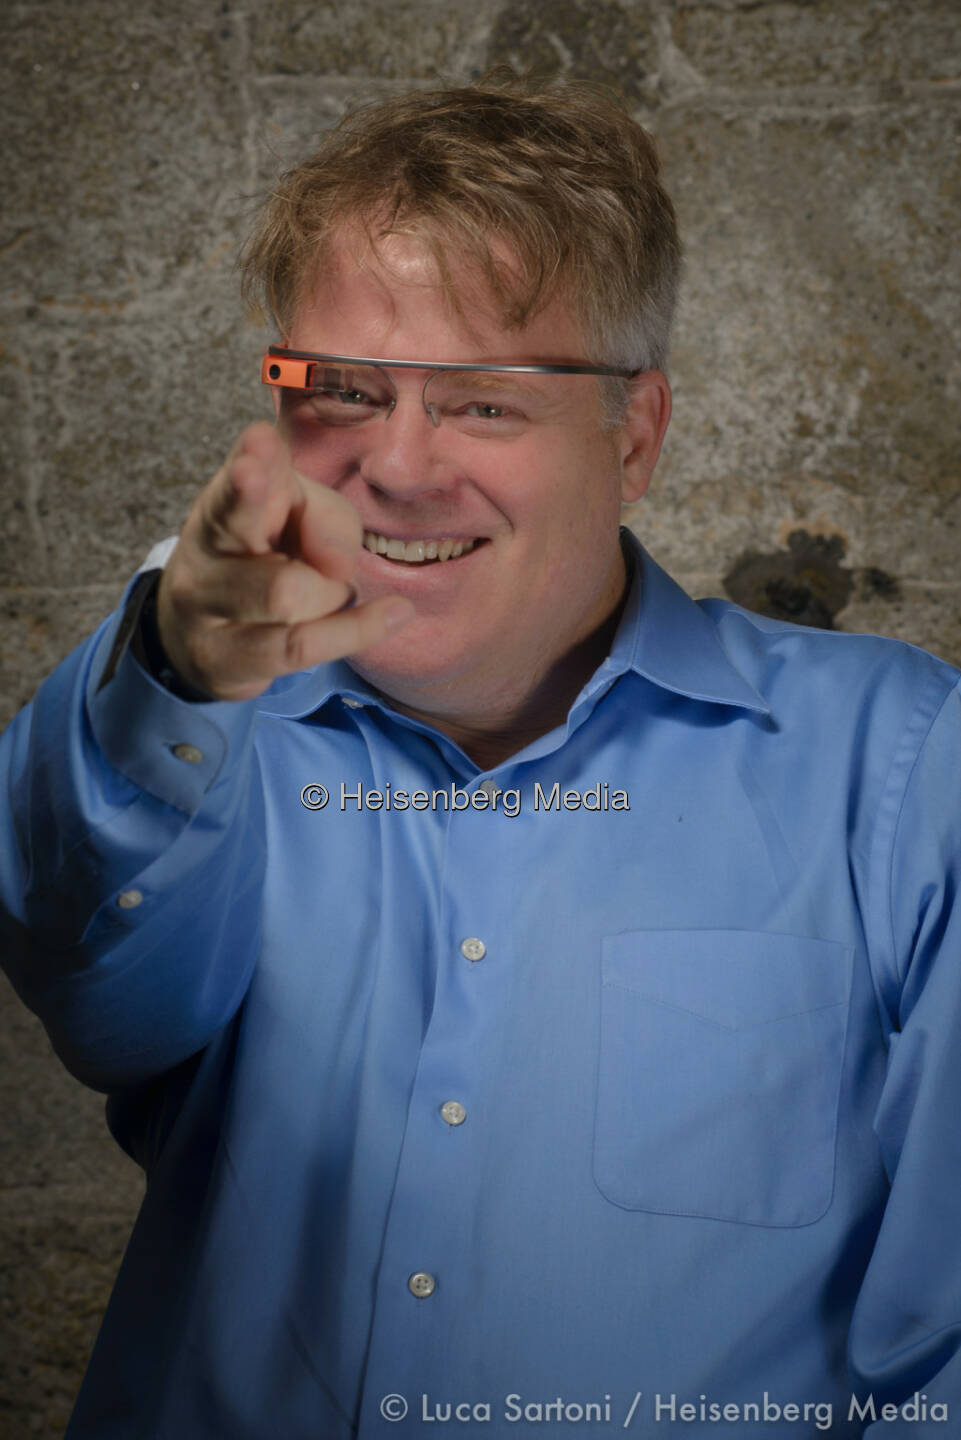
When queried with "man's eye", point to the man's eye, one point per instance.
{"points": [[481, 410], [332, 406], [347, 397]]}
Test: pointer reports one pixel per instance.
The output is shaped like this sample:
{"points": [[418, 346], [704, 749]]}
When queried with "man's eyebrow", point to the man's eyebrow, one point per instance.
{"points": [[533, 385]]}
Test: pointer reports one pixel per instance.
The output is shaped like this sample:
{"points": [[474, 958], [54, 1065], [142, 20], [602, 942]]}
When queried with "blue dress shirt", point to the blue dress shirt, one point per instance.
{"points": [[614, 1092]]}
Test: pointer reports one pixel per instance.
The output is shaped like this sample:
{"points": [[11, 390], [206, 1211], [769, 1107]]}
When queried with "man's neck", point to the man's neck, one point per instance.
{"points": [[500, 725]]}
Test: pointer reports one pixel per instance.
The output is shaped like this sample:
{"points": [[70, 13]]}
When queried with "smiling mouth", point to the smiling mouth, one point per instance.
{"points": [[417, 552]]}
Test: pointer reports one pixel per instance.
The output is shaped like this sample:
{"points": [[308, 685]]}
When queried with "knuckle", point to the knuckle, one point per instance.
{"points": [[237, 660], [283, 598], [176, 611], [180, 589], [297, 648], [212, 533], [203, 647]]}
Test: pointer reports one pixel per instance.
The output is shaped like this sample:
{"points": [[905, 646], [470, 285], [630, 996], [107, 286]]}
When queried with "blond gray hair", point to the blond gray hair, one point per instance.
{"points": [[559, 175]]}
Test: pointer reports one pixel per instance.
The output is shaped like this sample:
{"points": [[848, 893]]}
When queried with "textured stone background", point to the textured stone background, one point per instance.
{"points": [[813, 463]]}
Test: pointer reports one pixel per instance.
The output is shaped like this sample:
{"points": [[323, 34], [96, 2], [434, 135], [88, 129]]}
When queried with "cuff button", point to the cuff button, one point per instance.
{"points": [[188, 753]]}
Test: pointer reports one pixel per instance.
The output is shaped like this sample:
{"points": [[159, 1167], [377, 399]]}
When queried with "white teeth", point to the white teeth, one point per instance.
{"points": [[416, 552]]}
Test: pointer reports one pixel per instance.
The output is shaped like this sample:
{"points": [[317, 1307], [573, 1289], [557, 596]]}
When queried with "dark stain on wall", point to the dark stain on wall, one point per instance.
{"points": [[806, 583], [878, 582]]}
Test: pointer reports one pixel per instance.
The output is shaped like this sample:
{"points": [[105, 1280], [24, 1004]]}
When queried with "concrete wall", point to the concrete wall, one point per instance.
{"points": [[813, 464]]}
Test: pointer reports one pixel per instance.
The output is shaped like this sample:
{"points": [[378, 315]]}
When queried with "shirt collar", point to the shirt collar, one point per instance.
{"points": [[663, 635], [667, 637]]}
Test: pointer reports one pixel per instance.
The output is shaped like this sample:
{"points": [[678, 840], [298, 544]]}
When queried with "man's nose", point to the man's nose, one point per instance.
{"points": [[404, 453]]}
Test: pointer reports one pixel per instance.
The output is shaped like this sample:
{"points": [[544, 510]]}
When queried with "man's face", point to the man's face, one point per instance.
{"points": [[540, 504]]}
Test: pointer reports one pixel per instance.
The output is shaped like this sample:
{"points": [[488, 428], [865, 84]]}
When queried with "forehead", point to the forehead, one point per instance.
{"points": [[383, 295]]}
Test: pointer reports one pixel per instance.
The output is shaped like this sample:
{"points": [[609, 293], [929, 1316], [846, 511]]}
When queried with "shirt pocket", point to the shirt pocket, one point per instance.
{"points": [[719, 1073]]}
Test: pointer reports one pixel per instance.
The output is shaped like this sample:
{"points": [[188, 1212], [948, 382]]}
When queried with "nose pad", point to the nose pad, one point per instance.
{"points": [[431, 410]]}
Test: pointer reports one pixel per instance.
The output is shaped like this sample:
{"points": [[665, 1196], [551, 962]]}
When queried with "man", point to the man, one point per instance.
{"points": [[531, 995]]}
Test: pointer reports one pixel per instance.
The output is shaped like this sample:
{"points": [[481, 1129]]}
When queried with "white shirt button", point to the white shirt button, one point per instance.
{"points": [[353, 704], [188, 753], [129, 899], [453, 1112], [421, 1284], [489, 787], [472, 948]]}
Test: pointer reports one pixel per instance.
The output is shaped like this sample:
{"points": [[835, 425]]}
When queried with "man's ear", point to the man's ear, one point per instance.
{"points": [[642, 432]]}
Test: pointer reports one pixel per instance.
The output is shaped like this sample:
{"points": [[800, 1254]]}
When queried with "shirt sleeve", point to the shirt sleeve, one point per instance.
{"points": [[906, 1330], [132, 862]]}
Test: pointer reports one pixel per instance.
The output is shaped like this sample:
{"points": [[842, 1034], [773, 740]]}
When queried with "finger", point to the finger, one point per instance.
{"points": [[260, 503], [265, 589], [238, 662], [316, 642], [329, 532], [247, 507]]}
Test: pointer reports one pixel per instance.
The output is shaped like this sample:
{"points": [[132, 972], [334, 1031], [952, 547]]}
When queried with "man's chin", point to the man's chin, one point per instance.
{"points": [[410, 664]]}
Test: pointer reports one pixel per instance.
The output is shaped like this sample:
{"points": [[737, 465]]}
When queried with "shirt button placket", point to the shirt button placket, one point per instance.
{"points": [[429, 1252], [453, 1113]]}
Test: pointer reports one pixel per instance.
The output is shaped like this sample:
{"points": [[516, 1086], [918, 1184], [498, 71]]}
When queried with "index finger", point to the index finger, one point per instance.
{"points": [[246, 508]]}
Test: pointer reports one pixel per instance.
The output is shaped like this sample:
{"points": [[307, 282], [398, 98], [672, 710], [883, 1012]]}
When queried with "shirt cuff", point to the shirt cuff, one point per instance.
{"points": [[171, 747]]}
